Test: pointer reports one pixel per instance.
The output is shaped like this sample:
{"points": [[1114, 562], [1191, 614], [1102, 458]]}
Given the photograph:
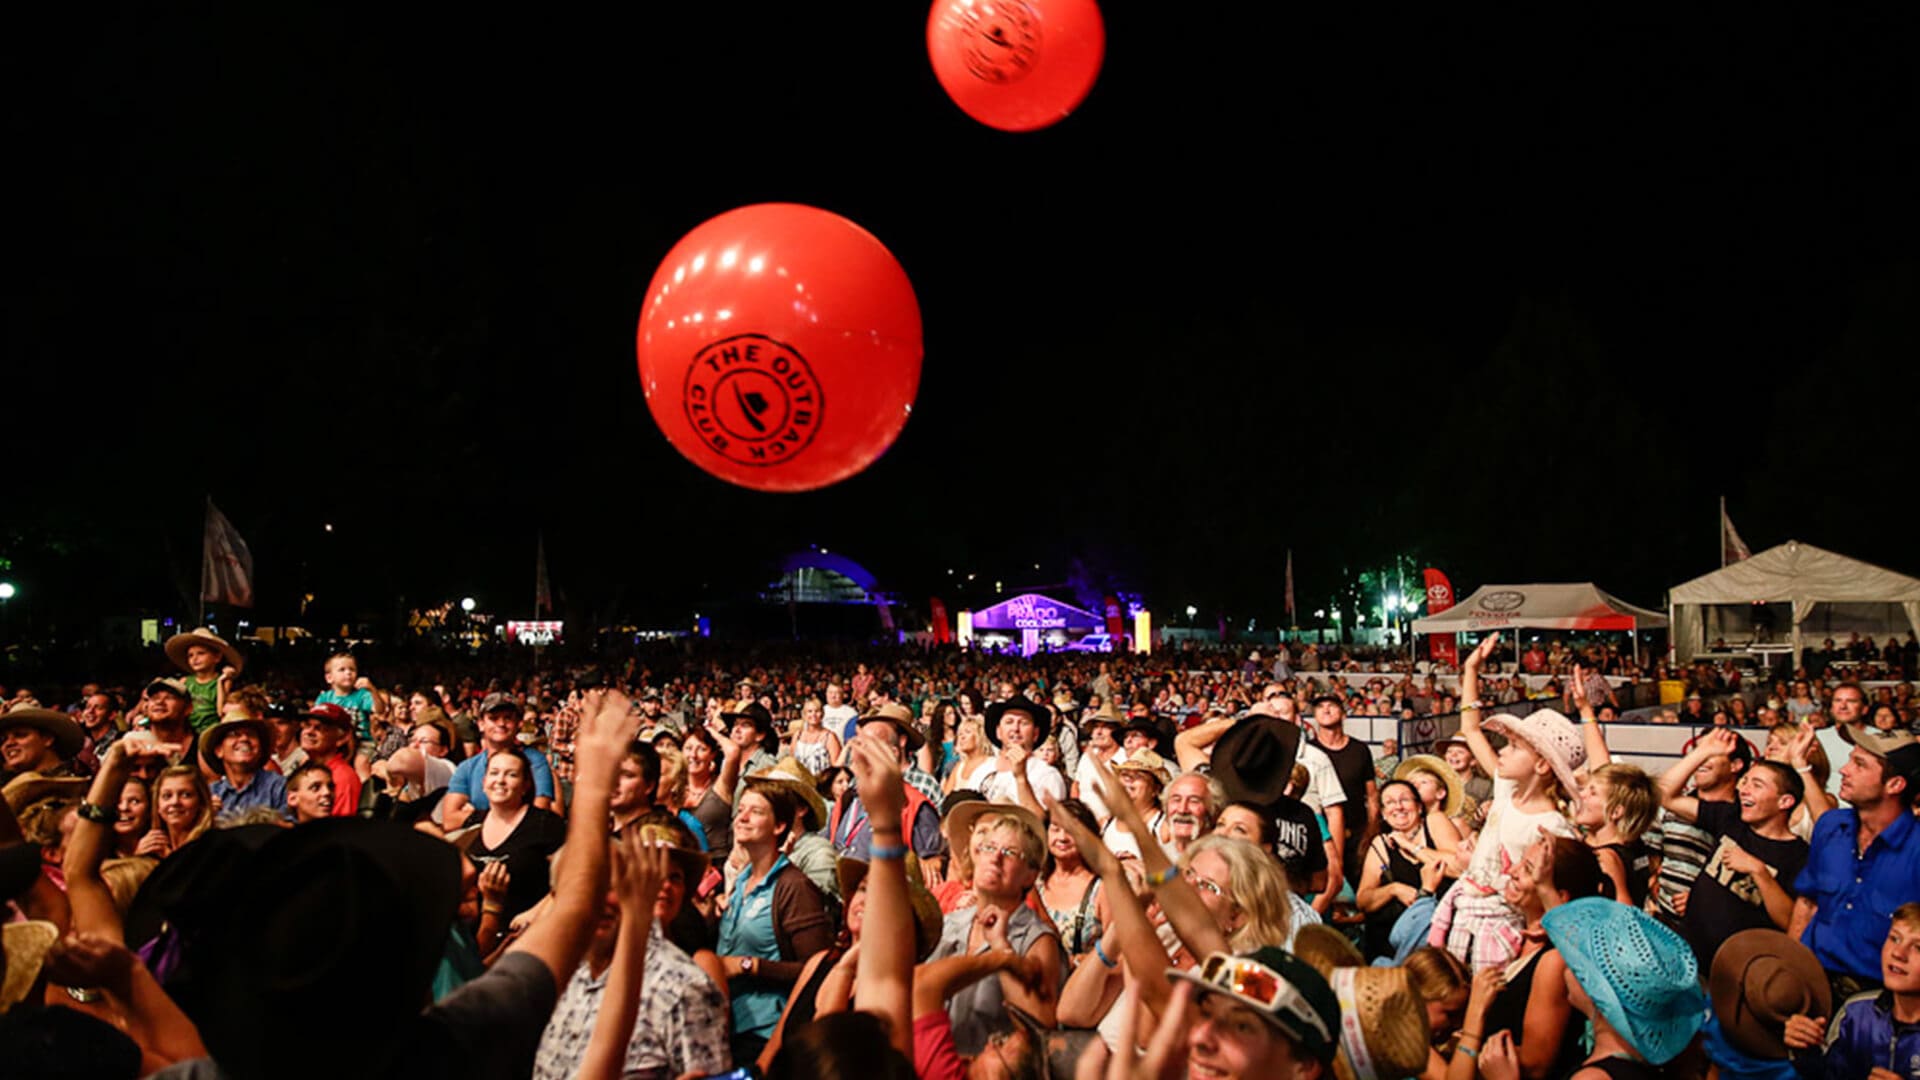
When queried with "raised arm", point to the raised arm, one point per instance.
{"points": [[1470, 709], [1180, 901], [92, 905], [1674, 781], [1139, 945], [639, 869], [1818, 800], [885, 981], [1194, 746], [559, 940], [1590, 733]]}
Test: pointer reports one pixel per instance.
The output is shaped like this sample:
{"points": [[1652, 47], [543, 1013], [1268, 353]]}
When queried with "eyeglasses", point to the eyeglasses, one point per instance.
{"points": [[1194, 879], [1261, 985], [994, 851]]}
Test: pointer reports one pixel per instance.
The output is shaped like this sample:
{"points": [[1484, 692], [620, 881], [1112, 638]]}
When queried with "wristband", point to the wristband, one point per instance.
{"points": [[96, 813], [1471, 706], [1159, 878], [1109, 961], [1805, 770], [1467, 1050], [492, 909], [887, 852]]}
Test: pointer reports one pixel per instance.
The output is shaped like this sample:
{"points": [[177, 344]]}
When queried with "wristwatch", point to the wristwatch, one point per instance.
{"points": [[748, 964], [97, 814]]}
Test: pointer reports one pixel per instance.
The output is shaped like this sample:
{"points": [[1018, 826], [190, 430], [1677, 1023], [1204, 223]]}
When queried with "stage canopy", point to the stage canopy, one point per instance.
{"points": [[1820, 592], [1032, 611], [1583, 606]]}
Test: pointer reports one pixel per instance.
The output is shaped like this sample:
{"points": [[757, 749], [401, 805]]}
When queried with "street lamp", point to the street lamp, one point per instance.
{"points": [[467, 605], [1192, 611], [7, 590]]}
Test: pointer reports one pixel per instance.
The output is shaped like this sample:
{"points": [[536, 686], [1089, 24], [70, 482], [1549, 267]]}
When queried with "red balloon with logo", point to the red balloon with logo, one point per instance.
{"points": [[1016, 65], [779, 347]]}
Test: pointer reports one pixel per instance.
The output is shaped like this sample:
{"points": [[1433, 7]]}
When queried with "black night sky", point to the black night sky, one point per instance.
{"points": [[1518, 295]]}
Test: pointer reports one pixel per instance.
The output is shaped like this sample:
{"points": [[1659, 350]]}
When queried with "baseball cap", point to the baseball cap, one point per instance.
{"points": [[171, 686], [498, 703], [1282, 988], [1899, 749]]}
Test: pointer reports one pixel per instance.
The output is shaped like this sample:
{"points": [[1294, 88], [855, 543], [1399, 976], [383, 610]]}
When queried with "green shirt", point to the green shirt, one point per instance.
{"points": [[206, 703]]}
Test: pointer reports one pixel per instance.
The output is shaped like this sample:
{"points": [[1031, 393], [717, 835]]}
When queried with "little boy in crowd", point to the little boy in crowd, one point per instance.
{"points": [[360, 698], [1875, 1035]]}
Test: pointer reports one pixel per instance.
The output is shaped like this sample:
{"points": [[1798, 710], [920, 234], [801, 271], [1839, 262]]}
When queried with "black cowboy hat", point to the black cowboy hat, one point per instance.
{"points": [[760, 717], [311, 906], [1254, 760], [1158, 728], [1042, 718]]}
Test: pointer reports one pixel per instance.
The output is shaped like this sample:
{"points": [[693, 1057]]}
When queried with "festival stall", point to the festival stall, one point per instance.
{"points": [[1581, 606], [1809, 590], [1030, 622]]}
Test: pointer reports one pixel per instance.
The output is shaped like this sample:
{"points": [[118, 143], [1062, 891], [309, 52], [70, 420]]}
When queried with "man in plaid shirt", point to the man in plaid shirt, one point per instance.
{"points": [[563, 727]]}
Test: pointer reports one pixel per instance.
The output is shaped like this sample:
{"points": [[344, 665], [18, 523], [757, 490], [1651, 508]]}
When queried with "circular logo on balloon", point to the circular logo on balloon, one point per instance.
{"points": [[1001, 40], [753, 400]]}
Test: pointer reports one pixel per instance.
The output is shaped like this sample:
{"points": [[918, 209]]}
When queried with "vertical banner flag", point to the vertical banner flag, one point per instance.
{"points": [[1291, 621], [942, 633], [226, 566], [542, 591], [1440, 647], [1732, 548], [1116, 622]]}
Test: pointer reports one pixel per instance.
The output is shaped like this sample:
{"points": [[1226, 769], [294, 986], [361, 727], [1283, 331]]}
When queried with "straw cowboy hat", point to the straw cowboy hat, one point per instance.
{"points": [[959, 824], [30, 787], [67, 737], [178, 644], [692, 864], [27, 944], [1146, 761], [789, 774], [1383, 1029], [1439, 770], [901, 718], [1551, 735], [1640, 976], [927, 916]]}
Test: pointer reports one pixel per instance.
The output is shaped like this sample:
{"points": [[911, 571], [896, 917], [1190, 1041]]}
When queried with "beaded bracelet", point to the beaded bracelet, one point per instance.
{"points": [[1161, 877]]}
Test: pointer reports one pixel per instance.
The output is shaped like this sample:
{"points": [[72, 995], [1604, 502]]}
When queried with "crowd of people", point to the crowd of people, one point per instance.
{"points": [[906, 862]]}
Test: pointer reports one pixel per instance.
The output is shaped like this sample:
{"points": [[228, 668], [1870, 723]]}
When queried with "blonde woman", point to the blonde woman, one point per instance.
{"points": [[815, 746], [182, 810], [970, 743]]}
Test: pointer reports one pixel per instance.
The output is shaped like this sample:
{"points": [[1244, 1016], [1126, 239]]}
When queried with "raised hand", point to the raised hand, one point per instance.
{"points": [[1098, 857], [1480, 653], [639, 871], [876, 771]]}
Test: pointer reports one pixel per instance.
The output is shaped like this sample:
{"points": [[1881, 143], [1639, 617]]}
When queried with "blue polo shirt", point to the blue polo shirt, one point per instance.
{"points": [[470, 775], [268, 789], [1856, 893]]}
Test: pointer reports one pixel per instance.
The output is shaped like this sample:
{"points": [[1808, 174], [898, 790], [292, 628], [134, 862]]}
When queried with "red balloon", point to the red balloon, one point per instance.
{"points": [[779, 347], [1016, 65]]}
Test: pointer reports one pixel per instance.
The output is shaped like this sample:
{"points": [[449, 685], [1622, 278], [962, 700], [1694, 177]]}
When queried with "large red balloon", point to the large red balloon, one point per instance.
{"points": [[1016, 65], [779, 347]]}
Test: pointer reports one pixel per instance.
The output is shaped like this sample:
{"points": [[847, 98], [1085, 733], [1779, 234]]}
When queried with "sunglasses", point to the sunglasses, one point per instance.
{"points": [[1259, 984]]}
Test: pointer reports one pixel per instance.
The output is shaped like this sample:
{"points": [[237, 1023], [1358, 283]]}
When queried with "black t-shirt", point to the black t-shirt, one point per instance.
{"points": [[1353, 764], [1296, 840], [1723, 902], [525, 851]]}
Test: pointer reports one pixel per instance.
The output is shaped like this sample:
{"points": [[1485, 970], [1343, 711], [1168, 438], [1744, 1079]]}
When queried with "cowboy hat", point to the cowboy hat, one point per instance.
{"points": [[58, 726], [1390, 1037], [1551, 735], [692, 864], [177, 646], [1156, 727], [30, 787], [306, 903], [1254, 760], [926, 910], [1439, 770], [959, 824], [1640, 976], [1106, 714], [27, 944], [1042, 718], [788, 773], [901, 718], [211, 738], [1148, 762], [1759, 978], [758, 714]]}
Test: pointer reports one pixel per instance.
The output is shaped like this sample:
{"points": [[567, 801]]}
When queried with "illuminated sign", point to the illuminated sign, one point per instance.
{"points": [[1035, 613], [543, 632]]}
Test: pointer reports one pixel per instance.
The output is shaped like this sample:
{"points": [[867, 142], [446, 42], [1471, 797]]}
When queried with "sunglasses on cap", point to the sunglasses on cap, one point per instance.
{"points": [[1255, 982]]}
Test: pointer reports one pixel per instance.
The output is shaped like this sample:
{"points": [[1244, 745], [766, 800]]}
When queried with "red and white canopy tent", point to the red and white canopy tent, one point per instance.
{"points": [[1582, 606]]}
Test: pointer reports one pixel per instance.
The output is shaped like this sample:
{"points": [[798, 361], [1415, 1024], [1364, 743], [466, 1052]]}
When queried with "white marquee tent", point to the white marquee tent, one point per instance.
{"points": [[1582, 606], [1825, 592]]}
